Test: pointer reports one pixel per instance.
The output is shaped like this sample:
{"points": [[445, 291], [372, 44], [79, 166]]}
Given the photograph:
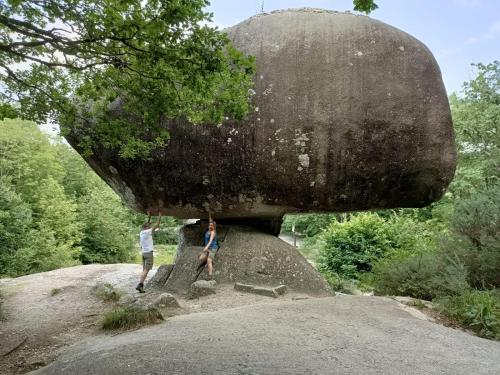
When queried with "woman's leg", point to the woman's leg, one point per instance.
{"points": [[210, 266]]}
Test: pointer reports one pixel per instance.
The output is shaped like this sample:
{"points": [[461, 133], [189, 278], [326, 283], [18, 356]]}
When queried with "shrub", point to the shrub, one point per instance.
{"points": [[423, 276], [478, 310], [130, 316], [353, 246], [475, 240]]}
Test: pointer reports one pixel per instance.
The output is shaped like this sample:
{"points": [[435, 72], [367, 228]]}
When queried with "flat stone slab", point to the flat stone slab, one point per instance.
{"points": [[274, 292], [201, 288]]}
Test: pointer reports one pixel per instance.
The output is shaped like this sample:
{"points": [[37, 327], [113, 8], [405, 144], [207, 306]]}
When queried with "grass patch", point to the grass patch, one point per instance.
{"points": [[164, 254], [339, 284], [419, 304], [310, 249], [474, 309], [129, 316], [107, 292], [55, 291]]}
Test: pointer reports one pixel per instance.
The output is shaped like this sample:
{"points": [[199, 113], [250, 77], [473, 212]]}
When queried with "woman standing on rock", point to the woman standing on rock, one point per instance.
{"points": [[211, 246]]}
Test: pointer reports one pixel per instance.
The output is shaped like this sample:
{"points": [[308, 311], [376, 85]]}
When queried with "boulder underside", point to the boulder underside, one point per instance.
{"points": [[350, 114]]}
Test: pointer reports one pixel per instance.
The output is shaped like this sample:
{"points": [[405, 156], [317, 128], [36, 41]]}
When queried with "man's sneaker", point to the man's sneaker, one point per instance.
{"points": [[140, 288]]}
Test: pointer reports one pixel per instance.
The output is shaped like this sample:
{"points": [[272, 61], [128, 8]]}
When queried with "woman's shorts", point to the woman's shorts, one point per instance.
{"points": [[211, 253]]}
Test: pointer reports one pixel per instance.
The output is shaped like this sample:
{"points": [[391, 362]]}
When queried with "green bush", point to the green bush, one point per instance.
{"points": [[352, 247], [478, 310], [423, 276], [475, 238]]}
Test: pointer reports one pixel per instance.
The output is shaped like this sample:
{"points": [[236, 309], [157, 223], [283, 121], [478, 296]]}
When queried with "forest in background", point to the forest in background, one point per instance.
{"points": [[56, 212]]}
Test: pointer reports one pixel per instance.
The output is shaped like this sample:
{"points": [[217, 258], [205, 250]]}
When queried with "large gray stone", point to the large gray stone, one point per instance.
{"points": [[161, 276], [166, 300], [246, 256], [350, 114], [202, 288]]}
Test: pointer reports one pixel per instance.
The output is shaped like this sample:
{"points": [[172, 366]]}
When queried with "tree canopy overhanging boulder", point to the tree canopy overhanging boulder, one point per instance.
{"points": [[350, 114]]}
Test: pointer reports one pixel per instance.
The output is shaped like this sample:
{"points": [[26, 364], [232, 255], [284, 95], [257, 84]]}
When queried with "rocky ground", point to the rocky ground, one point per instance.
{"points": [[38, 323], [228, 332]]}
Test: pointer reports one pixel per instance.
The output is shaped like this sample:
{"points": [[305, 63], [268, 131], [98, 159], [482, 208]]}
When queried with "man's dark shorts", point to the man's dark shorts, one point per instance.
{"points": [[147, 261]]}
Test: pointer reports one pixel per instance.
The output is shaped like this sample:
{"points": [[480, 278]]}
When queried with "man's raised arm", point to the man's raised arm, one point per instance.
{"points": [[157, 225], [149, 218]]}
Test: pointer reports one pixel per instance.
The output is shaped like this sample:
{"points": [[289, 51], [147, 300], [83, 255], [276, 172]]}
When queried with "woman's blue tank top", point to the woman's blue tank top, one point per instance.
{"points": [[214, 245]]}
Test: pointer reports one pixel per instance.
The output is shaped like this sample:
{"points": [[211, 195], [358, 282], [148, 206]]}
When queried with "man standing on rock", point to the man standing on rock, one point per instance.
{"points": [[146, 242]]}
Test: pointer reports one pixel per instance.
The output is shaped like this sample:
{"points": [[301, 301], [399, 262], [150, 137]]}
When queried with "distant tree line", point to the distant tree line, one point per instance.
{"points": [[55, 211]]}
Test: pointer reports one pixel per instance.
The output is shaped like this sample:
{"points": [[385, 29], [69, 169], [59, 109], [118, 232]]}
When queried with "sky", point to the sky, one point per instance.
{"points": [[458, 32]]}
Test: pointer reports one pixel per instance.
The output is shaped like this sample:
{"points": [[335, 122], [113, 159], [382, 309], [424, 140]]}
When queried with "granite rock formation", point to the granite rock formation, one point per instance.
{"points": [[350, 114]]}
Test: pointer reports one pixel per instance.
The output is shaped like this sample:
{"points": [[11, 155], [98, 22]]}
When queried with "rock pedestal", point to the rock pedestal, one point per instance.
{"points": [[248, 256]]}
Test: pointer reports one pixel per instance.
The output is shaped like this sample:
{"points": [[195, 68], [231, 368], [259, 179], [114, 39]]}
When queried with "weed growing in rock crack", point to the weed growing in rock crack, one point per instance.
{"points": [[55, 291], [130, 316]]}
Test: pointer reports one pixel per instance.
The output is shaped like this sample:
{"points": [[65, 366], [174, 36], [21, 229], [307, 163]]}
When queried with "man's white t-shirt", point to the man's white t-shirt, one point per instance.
{"points": [[146, 240]]}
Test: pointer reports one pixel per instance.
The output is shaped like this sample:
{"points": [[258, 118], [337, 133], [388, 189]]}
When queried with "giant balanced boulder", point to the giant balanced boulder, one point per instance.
{"points": [[350, 114]]}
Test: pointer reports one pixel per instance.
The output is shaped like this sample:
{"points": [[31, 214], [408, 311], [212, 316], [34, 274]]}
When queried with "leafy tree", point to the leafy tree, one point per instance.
{"points": [[8, 111], [26, 157], [107, 236], [67, 60], [366, 6], [476, 117], [58, 232], [79, 179], [15, 229]]}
